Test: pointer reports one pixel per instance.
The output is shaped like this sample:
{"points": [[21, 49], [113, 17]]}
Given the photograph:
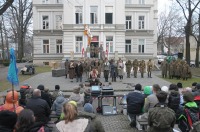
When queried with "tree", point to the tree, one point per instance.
{"points": [[188, 8], [5, 6]]}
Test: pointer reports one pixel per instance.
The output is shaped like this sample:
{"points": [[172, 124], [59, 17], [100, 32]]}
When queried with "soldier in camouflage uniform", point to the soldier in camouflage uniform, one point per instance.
{"points": [[128, 68], [171, 71], [86, 68], [135, 67], [164, 66], [178, 70], [142, 68], [149, 67], [185, 71]]}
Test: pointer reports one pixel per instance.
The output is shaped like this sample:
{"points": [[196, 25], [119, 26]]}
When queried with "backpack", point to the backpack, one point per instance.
{"points": [[174, 101], [197, 100]]}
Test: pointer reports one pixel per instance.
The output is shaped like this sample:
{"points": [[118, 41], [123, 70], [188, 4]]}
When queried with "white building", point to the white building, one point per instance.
{"points": [[128, 27]]}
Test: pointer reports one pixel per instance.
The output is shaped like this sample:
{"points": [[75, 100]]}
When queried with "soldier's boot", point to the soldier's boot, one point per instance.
{"points": [[150, 75], [66, 76]]}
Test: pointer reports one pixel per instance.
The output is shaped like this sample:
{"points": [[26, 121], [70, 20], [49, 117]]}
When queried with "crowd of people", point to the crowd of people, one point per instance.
{"points": [[31, 110], [176, 69], [163, 107], [93, 68]]}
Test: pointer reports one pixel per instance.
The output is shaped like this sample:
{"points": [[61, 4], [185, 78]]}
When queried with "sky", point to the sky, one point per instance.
{"points": [[163, 4]]}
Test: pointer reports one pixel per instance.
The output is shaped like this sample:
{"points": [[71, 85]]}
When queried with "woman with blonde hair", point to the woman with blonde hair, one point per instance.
{"points": [[71, 123]]}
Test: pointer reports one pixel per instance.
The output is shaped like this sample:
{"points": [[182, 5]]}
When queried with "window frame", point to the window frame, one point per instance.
{"points": [[78, 15], [109, 43], [45, 1], [94, 14], [141, 47], [58, 23], [59, 46], [78, 44], [45, 22], [141, 23], [128, 46], [129, 23], [106, 22], [141, 2], [45, 46]]}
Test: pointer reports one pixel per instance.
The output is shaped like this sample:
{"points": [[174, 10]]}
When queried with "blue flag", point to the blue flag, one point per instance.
{"points": [[12, 70]]}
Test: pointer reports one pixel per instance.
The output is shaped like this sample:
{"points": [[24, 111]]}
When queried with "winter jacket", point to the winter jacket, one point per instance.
{"points": [[174, 100], [55, 94], [46, 97], [58, 104], [77, 98], [23, 92], [192, 110], [150, 102], [34, 128], [40, 109], [135, 102], [79, 70], [5, 129], [161, 119]]}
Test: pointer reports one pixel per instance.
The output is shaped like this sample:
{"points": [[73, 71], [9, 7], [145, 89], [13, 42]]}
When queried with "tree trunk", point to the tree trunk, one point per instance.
{"points": [[188, 31], [2, 43], [197, 50], [6, 39]]}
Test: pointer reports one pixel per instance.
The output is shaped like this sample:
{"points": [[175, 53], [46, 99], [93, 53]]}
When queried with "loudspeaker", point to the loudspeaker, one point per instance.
{"points": [[107, 91], [180, 56]]}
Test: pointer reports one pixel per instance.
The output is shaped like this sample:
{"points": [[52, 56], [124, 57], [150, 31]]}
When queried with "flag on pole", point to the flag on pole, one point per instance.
{"points": [[12, 76]]}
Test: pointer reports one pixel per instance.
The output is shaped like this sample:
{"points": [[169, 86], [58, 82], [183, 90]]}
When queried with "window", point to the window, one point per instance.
{"points": [[109, 15], [45, 46], [141, 22], [58, 21], [128, 46], [128, 22], [141, 46], [128, 2], [141, 1], [93, 14], [79, 14], [59, 46], [44, 1], [45, 22], [109, 43], [79, 43], [59, 1]]}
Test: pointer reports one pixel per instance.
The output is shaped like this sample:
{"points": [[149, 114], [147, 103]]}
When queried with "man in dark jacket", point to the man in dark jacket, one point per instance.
{"points": [[24, 89], [44, 95], [161, 118], [8, 120], [79, 71], [135, 103], [39, 106]]}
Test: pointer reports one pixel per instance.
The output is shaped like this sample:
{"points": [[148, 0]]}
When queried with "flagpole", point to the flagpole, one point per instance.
{"points": [[13, 97]]}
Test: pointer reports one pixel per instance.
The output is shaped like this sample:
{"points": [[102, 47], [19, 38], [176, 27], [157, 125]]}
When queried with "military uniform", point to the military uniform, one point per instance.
{"points": [[142, 68], [128, 68], [164, 66], [135, 67], [171, 71], [106, 68], [185, 71], [149, 67], [66, 67], [86, 68], [72, 70], [92, 51], [178, 70]]}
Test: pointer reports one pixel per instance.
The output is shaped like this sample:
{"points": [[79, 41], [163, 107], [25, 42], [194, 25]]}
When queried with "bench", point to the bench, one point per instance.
{"points": [[141, 123]]}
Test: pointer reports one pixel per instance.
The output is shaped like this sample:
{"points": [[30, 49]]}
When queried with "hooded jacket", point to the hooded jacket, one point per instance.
{"points": [[58, 104], [174, 100]]}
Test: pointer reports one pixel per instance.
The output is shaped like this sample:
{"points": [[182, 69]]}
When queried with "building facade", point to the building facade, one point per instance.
{"points": [[127, 28]]}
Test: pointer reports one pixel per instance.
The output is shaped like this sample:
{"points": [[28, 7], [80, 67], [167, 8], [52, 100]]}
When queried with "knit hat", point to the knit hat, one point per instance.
{"points": [[76, 90], [73, 103], [25, 86], [88, 108], [40, 87], [60, 93], [165, 89], [148, 90], [188, 97], [8, 119]]}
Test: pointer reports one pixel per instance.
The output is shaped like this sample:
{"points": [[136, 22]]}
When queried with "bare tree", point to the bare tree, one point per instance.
{"points": [[5, 6], [188, 8]]}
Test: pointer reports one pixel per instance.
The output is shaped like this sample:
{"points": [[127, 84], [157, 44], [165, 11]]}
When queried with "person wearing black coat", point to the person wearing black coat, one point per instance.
{"points": [[79, 71], [39, 107], [45, 95], [135, 103]]}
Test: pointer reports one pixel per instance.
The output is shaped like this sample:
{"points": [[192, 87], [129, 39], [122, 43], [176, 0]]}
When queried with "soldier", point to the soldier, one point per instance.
{"points": [[114, 71], [135, 67], [142, 68], [128, 68], [178, 70], [72, 70], [164, 66], [120, 67], [106, 68], [97, 67], [174, 68], [86, 68], [66, 67], [149, 67], [92, 51], [185, 71], [171, 71]]}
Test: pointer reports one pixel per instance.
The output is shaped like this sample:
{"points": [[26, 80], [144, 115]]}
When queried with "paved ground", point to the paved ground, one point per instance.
{"points": [[117, 123]]}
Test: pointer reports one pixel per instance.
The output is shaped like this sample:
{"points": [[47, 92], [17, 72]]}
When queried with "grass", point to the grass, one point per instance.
{"points": [[4, 84], [187, 83]]}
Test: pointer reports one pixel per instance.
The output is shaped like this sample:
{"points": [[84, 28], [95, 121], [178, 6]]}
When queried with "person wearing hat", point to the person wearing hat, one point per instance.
{"points": [[8, 120], [58, 103], [24, 90], [66, 67], [44, 95], [189, 114], [75, 96], [12, 104]]}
